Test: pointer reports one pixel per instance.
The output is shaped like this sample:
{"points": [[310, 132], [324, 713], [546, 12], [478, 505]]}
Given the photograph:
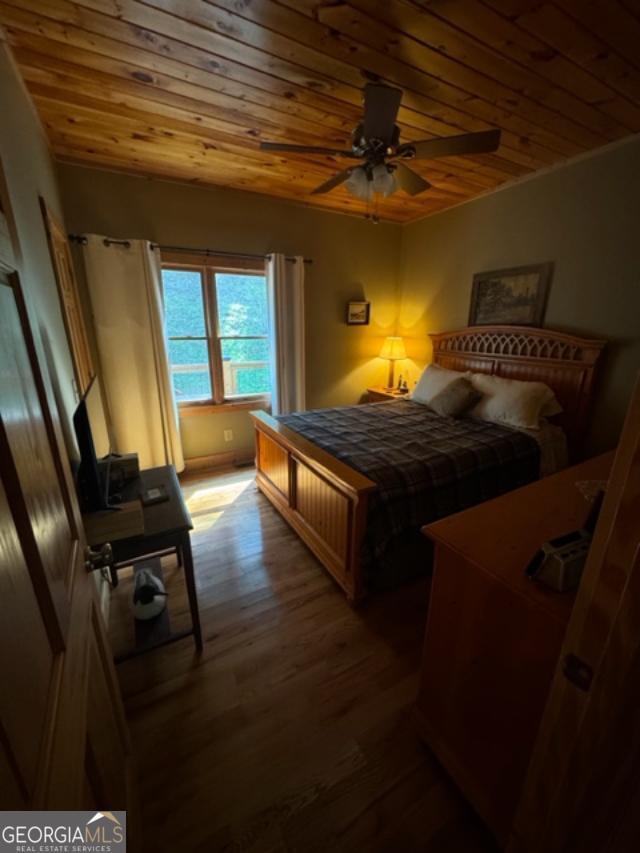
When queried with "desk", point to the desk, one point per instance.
{"points": [[167, 528]]}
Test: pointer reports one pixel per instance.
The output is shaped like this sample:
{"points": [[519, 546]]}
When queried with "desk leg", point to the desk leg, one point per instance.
{"points": [[189, 577]]}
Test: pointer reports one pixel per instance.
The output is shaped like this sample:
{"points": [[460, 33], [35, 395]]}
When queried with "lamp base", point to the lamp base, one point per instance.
{"points": [[390, 380]]}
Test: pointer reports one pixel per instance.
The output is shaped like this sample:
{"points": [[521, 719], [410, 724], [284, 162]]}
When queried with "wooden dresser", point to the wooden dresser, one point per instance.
{"points": [[493, 637]]}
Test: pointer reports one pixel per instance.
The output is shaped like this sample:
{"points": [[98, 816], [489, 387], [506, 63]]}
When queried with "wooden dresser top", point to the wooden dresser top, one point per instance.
{"points": [[501, 535]]}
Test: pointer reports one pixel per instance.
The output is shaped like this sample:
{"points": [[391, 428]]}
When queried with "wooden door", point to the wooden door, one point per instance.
{"points": [[63, 735], [582, 788], [70, 303]]}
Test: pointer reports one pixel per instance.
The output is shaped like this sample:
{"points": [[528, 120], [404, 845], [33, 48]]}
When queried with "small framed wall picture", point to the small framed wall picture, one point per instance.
{"points": [[358, 313], [514, 297]]}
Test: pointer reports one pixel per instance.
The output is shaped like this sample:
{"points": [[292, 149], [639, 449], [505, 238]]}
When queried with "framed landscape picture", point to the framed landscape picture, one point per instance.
{"points": [[512, 297], [358, 313]]}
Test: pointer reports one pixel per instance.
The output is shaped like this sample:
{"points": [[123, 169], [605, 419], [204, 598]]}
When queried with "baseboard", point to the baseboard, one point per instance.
{"points": [[226, 459]]}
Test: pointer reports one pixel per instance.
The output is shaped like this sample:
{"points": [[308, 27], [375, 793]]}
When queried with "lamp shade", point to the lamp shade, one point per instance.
{"points": [[393, 349], [359, 185], [383, 180]]}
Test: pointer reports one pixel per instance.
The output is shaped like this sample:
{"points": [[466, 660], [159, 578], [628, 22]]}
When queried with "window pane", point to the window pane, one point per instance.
{"points": [[242, 304], [245, 367], [190, 370], [183, 303]]}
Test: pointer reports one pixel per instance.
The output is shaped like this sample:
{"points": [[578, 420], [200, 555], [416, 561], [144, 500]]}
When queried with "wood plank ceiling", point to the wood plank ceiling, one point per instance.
{"points": [[186, 89]]}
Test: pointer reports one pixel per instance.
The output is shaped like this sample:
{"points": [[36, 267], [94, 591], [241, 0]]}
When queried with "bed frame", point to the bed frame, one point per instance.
{"points": [[325, 501]]}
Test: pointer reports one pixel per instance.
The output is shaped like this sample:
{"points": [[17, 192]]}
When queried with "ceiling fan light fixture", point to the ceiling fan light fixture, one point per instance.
{"points": [[359, 184], [384, 181], [377, 138]]}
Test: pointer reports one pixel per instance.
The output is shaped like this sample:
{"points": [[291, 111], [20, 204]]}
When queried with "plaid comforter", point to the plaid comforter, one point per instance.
{"points": [[426, 466]]}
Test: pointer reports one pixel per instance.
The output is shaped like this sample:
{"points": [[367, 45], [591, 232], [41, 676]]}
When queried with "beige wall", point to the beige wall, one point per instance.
{"points": [[29, 173], [586, 219], [352, 259]]}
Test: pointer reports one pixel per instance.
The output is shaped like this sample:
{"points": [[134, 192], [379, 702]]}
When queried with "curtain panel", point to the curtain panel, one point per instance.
{"points": [[285, 282], [125, 287]]}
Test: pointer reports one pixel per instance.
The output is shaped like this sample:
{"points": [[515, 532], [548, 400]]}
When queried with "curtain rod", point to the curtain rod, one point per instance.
{"points": [[219, 253], [80, 238]]}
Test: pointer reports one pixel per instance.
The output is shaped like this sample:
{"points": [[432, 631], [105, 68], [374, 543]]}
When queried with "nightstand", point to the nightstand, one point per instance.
{"points": [[379, 394]]}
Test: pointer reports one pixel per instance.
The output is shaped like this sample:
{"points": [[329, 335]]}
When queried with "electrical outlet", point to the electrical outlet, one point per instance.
{"points": [[228, 435]]}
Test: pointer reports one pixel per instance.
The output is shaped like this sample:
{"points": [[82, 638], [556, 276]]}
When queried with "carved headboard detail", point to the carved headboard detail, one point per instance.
{"points": [[565, 362]]}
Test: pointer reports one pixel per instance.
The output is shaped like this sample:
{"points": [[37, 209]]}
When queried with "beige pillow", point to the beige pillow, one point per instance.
{"points": [[511, 401], [551, 408], [455, 399], [434, 379]]}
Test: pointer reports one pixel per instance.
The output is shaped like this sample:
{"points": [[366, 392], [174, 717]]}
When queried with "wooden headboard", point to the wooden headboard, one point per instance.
{"points": [[565, 362]]}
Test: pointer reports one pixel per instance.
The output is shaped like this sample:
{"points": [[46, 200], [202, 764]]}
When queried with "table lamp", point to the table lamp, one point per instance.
{"points": [[393, 350]]}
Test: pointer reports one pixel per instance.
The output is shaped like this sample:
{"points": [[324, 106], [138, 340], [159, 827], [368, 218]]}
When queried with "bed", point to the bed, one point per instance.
{"points": [[343, 487]]}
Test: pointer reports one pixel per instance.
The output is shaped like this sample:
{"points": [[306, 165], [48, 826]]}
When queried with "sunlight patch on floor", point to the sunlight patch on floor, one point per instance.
{"points": [[207, 504], [212, 497], [205, 521]]}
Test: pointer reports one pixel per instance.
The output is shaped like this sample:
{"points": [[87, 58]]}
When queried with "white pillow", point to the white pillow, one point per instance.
{"points": [[511, 401], [434, 379]]}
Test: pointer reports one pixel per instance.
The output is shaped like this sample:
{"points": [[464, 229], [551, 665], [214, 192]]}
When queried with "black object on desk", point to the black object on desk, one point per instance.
{"points": [[167, 528]]}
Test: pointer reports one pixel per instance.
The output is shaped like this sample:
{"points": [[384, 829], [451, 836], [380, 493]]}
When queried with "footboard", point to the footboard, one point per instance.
{"points": [[324, 500]]}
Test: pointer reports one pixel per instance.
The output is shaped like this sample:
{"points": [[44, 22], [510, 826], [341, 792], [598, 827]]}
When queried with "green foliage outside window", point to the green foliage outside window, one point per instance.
{"points": [[242, 311]]}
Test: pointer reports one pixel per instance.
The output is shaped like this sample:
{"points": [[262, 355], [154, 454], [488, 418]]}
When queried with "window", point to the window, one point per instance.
{"points": [[217, 324]]}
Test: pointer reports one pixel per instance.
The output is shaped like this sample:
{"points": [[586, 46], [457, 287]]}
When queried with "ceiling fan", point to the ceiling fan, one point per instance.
{"points": [[376, 141]]}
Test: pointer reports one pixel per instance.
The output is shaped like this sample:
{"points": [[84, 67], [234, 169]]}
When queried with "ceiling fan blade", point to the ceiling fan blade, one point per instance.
{"points": [[381, 105], [409, 181], [448, 146], [304, 149], [333, 182]]}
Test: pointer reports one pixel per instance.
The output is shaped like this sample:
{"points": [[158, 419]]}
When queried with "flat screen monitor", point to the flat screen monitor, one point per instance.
{"points": [[92, 435]]}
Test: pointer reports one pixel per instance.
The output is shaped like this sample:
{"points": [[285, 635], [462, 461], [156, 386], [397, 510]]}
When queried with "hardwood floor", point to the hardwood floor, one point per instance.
{"points": [[293, 731]]}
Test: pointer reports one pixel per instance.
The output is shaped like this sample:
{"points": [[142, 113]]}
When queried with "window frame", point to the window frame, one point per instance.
{"points": [[208, 265]]}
